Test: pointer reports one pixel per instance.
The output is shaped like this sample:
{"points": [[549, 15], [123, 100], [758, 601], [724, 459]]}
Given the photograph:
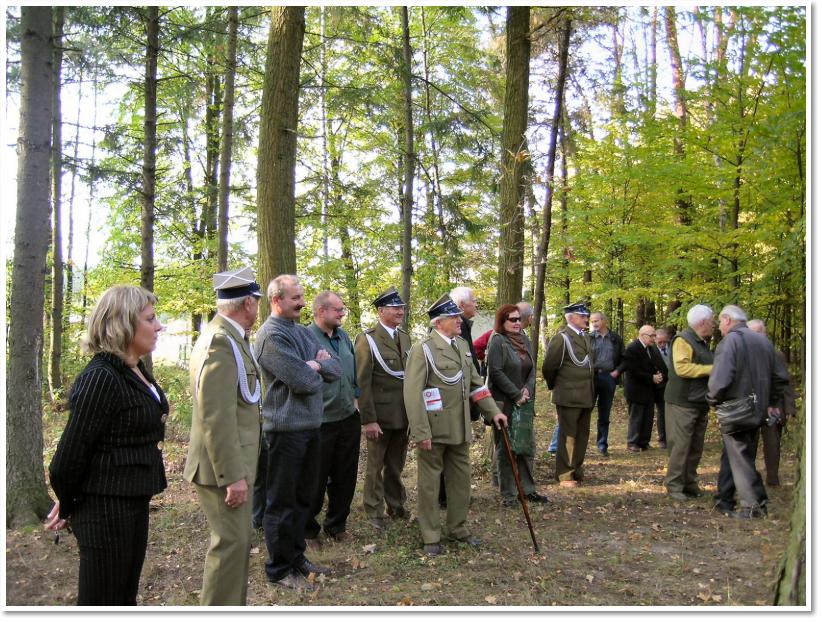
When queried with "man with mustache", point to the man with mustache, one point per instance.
{"points": [[295, 367]]}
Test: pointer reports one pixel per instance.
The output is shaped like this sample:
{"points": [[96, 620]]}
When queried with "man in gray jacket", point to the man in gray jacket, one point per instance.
{"points": [[294, 367], [745, 363]]}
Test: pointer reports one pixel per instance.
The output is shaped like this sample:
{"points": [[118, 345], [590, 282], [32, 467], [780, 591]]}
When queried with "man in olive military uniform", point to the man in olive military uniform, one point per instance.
{"points": [[381, 353], [225, 435], [568, 369], [440, 378]]}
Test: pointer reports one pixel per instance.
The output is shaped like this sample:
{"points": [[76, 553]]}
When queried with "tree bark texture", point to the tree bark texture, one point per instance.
{"points": [[277, 153], [409, 162], [57, 267], [545, 236], [149, 155], [790, 577], [227, 139], [680, 109], [149, 148], [514, 153], [27, 499]]}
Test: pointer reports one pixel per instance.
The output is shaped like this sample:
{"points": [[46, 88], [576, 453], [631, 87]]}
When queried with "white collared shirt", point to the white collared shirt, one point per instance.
{"points": [[390, 331], [449, 340], [239, 328]]}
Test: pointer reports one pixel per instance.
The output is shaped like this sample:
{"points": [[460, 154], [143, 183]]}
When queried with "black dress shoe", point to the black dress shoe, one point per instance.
{"points": [[693, 493], [537, 498], [305, 568], [432, 550], [471, 541]]}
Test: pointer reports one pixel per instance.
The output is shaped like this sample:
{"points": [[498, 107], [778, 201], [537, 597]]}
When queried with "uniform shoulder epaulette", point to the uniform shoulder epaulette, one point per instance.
{"points": [[401, 330]]}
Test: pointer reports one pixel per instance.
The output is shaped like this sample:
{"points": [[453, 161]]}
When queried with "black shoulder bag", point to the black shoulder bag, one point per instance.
{"points": [[740, 414]]}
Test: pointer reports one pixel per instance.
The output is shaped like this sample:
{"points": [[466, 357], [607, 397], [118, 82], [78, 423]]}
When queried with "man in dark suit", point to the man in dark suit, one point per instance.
{"points": [[644, 370], [381, 353], [568, 370]]}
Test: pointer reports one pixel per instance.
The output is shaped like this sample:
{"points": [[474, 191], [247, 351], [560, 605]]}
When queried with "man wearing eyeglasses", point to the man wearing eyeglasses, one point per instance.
{"points": [[644, 370], [340, 429]]}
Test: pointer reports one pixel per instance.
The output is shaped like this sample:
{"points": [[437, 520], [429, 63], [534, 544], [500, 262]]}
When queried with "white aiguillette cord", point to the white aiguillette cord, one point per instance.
{"points": [[241, 377], [449, 381], [400, 375], [570, 349]]}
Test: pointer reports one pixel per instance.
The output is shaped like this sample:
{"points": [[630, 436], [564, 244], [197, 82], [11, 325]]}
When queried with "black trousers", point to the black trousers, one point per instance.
{"points": [[337, 475], [258, 500], [112, 535], [293, 462], [737, 471], [660, 419], [640, 424]]}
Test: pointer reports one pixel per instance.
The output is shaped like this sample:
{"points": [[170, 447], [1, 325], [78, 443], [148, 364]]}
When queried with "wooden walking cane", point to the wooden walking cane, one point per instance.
{"points": [[522, 500]]}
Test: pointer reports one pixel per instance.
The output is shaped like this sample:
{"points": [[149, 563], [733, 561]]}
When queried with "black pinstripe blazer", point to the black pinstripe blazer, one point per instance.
{"points": [[112, 443]]}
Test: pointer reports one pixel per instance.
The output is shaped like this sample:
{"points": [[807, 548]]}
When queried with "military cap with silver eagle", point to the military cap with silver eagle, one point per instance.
{"points": [[389, 298], [236, 284], [443, 307]]}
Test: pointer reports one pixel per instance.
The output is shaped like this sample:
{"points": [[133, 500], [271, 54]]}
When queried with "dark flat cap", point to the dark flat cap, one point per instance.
{"points": [[389, 298], [443, 306], [578, 307]]}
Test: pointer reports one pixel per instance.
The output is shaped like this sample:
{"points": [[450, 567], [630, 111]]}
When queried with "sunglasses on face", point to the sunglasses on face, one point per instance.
{"points": [[514, 320]]}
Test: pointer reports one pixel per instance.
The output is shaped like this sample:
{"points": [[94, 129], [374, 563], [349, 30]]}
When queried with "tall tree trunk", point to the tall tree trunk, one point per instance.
{"points": [[55, 380], [227, 139], [91, 191], [680, 109], [27, 499], [212, 131], [563, 203], [514, 153], [72, 194], [436, 182], [545, 238], [790, 577], [149, 154], [196, 224], [408, 166], [277, 154]]}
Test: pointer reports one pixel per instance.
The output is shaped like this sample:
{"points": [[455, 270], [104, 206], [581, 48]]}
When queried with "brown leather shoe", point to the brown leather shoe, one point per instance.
{"points": [[569, 483]]}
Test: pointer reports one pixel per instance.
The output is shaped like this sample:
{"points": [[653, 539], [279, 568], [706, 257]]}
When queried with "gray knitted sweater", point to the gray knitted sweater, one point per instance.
{"points": [[294, 392]]}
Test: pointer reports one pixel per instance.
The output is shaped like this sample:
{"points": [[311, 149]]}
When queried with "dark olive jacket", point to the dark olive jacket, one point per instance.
{"points": [[505, 371]]}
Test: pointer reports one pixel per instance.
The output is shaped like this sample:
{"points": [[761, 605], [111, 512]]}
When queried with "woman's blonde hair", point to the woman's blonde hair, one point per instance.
{"points": [[114, 318]]}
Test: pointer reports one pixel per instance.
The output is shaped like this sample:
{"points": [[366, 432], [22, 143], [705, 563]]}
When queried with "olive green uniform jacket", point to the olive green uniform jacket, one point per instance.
{"points": [[381, 398], [452, 424], [223, 449], [570, 385]]}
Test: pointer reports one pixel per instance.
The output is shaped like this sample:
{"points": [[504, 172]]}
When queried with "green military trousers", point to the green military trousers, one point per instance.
{"points": [[455, 462]]}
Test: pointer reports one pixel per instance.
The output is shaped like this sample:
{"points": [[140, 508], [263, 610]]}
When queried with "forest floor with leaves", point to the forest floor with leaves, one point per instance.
{"points": [[618, 540]]}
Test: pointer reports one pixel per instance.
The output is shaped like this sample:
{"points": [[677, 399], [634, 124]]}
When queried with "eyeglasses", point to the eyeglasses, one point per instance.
{"points": [[648, 335], [339, 310], [514, 320]]}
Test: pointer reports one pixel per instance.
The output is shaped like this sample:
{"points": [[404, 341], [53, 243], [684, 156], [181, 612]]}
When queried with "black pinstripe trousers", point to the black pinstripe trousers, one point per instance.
{"points": [[112, 534]]}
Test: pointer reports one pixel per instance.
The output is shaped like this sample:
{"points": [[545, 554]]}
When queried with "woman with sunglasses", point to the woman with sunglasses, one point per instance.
{"points": [[512, 381]]}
